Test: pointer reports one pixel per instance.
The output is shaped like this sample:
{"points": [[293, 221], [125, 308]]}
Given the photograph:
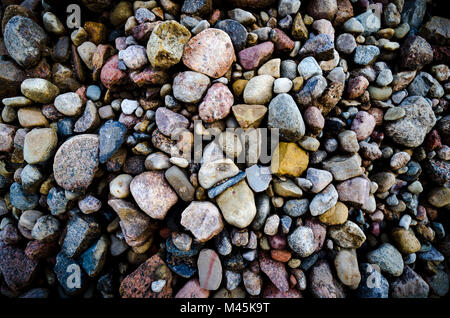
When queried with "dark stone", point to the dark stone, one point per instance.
{"points": [[236, 31], [65, 127], [35, 293], [57, 201], [61, 52], [24, 40], [415, 52], [215, 191], [11, 77], [183, 266], [197, 7], [112, 136], [413, 13], [70, 275], [17, 269], [321, 47], [21, 199], [438, 171], [82, 231], [373, 284]]}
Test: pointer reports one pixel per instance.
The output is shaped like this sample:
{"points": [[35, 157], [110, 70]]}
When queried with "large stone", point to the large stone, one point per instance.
{"points": [[347, 269], [214, 171], [252, 57], [24, 40], [437, 30], [11, 76], [237, 204], [409, 285], [249, 116], [76, 162], [301, 241], [111, 137], [210, 52], [39, 90], [166, 44], [168, 121], [347, 235], [324, 201], [81, 232], [415, 52], [153, 194], [354, 191]]}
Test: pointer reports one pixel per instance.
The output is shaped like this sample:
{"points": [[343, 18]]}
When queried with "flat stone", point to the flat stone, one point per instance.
{"points": [[94, 258], [203, 220], [343, 167], [258, 177], [249, 116], [289, 159], [200, 53], [76, 162], [354, 191], [347, 269], [276, 271], [209, 269], [319, 179], [153, 194]]}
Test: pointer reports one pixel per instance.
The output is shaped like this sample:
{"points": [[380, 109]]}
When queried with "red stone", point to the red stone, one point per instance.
{"points": [[17, 269], [217, 103], [276, 271], [283, 41], [252, 57], [110, 74]]}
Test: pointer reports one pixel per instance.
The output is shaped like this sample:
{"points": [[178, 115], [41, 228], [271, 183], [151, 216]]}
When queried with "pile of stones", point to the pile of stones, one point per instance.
{"points": [[133, 149]]}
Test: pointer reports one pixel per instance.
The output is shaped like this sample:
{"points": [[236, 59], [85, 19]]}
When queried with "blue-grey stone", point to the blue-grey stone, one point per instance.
{"points": [[236, 31], [366, 54], [70, 275], [184, 266], [82, 231], [439, 230], [413, 13], [112, 136], [309, 261], [388, 258], [413, 173], [172, 249], [22, 200], [296, 208], [373, 284], [285, 115], [93, 259], [433, 255], [286, 223], [57, 201], [65, 127], [214, 192], [262, 202], [93, 92]]}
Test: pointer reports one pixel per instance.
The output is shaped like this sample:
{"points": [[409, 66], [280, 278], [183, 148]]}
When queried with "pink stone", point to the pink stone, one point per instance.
{"points": [[192, 289], [210, 52], [276, 271], [356, 86], [270, 291], [277, 242], [363, 125], [323, 26], [283, 41], [7, 137], [319, 231], [254, 56], [355, 190], [217, 103], [314, 118], [168, 121], [209, 269], [110, 74], [153, 194]]}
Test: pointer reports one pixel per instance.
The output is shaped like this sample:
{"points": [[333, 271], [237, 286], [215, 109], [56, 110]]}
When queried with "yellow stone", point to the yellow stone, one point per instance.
{"points": [[289, 159], [297, 83], [336, 215], [121, 12], [238, 87], [405, 240], [387, 33], [249, 116]]}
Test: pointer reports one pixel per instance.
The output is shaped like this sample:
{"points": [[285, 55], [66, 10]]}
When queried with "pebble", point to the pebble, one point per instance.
{"points": [[209, 269], [39, 90], [258, 90], [200, 53], [39, 145], [189, 87], [301, 241], [284, 115], [347, 235], [202, 219], [216, 104], [388, 258], [237, 204], [166, 44], [153, 194], [347, 269]]}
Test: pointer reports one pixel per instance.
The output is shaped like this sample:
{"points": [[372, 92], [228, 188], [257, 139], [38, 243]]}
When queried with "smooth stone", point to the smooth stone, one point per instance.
{"points": [[189, 87], [39, 145], [203, 219], [324, 201], [285, 115], [209, 269], [211, 173], [388, 258], [301, 241], [39, 90], [347, 235], [258, 177], [180, 183]]}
